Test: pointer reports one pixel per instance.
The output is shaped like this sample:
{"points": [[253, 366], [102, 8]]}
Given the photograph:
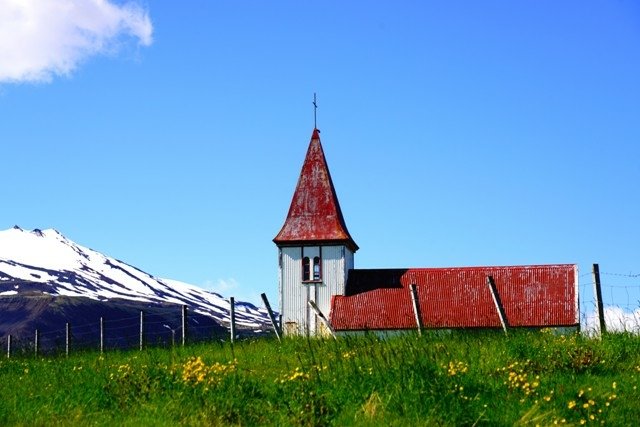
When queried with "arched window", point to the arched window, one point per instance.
{"points": [[317, 268], [306, 271]]}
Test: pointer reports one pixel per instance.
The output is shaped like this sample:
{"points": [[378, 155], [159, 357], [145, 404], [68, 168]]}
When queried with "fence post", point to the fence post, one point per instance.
{"points": [[322, 318], [67, 338], [273, 320], [141, 329], [498, 303], [9, 346], [36, 343], [597, 295], [184, 325], [416, 306], [101, 335], [232, 318]]}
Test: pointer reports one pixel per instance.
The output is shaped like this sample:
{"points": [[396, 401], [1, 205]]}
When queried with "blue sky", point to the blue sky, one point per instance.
{"points": [[170, 135]]}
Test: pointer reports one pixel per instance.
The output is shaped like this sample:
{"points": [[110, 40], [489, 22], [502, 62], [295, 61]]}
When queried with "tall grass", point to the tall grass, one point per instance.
{"points": [[461, 378]]}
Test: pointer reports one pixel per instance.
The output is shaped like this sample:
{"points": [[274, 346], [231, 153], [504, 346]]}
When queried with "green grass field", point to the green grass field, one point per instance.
{"points": [[461, 378]]}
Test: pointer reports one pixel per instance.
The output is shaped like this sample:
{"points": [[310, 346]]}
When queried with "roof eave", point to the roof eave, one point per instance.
{"points": [[349, 243]]}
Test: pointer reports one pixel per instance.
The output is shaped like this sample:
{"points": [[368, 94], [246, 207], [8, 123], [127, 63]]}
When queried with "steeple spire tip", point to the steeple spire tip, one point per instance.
{"points": [[315, 109]]}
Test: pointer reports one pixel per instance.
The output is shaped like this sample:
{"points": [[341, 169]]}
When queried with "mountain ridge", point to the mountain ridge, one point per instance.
{"points": [[45, 263]]}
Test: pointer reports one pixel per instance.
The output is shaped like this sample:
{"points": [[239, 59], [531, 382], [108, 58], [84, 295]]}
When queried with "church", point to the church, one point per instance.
{"points": [[320, 290]]}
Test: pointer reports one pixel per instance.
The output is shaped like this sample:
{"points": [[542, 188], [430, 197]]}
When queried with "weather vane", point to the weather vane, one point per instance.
{"points": [[315, 108]]}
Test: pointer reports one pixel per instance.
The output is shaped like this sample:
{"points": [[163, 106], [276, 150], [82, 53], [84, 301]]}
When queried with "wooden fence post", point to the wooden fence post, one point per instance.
{"points": [[270, 312], [101, 335], [9, 346], [322, 318], [232, 318], [36, 343], [67, 338], [184, 325], [141, 330], [597, 295], [498, 303], [416, 306]]}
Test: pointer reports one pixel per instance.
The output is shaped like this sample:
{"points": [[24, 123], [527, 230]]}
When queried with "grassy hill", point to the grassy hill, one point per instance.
{"points": [[462, 378]]}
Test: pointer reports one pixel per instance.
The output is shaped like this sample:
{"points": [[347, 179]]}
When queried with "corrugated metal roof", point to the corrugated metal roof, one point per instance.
{"points": [[532, 296], [314, 215]]}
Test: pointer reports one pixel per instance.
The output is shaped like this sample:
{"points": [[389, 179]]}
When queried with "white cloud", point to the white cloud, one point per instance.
{"points": [[231, 288], [616, 319], [43, 38], [221, 286]]}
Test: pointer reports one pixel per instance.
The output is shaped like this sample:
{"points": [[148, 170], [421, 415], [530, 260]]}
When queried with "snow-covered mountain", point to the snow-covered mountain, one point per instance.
{"points": [[44, 262]]}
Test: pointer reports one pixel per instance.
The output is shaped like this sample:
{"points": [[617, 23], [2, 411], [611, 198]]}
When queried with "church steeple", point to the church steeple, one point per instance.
{"points": [[314, 216]]}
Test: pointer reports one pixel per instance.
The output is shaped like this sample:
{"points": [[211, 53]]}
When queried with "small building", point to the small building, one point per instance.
{"points": [[316, 264], [458, 297]]}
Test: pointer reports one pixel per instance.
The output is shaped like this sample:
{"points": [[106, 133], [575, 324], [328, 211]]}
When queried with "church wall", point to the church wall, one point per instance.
{"points": [[297, 316], [332, 277], [349, 265], [293, 295], [336, 263], [311, 293]]}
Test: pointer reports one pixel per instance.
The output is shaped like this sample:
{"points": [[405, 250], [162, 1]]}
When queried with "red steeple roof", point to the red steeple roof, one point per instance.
{"points": [[315, 216]]}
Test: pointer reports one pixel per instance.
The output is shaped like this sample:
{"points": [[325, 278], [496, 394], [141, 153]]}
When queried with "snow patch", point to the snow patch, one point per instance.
{"points": [[59, 266]]}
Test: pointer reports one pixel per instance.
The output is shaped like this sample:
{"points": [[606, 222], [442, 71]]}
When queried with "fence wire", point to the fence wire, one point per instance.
{"points": [[620, 294], [159, 328], [620, 300]]}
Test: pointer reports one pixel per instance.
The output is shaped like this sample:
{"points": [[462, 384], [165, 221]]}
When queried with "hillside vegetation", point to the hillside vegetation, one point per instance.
{"points": [[461, 378]]}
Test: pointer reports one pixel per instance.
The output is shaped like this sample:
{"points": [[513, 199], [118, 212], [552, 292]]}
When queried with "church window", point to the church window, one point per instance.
{"points": [[306, 269], [311, 269], [317, 268]]}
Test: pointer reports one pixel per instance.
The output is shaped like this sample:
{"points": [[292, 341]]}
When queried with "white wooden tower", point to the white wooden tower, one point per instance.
{"points": [[315, 250]]}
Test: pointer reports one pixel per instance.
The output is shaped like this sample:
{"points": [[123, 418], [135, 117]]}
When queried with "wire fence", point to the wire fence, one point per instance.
{"points": [[161, 327], [620, 302]]}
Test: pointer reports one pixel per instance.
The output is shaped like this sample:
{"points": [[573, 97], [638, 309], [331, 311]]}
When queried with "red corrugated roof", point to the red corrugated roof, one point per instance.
{"points": [[532, 296], [315, 215]]}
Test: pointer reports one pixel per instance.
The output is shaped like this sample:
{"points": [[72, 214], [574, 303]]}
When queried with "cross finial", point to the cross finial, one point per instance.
{"points": [[315, 108]]}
